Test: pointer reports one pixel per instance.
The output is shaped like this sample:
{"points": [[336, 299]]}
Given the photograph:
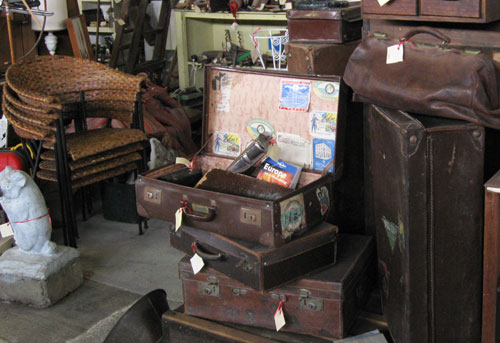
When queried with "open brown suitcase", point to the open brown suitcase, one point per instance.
{"points": [[258, 266], [322, 304], [239, 104], [426, 177]]}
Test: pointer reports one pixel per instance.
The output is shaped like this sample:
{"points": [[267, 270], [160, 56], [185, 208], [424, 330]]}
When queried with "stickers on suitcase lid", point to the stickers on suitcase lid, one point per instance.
{"points": [[394, 231], [323, 124], [324, 198], [294, 149], [323, 153], [226, 144], [327, 90], [293, 215], [257, 126], [222, 84], [295, 95]]}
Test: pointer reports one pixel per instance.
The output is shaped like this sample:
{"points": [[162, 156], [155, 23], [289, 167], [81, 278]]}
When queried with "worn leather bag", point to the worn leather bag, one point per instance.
{"points": [[432, 79]]}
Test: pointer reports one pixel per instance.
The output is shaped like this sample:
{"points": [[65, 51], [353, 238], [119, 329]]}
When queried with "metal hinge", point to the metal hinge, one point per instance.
{"points": [[307, 303], [210, 288]]}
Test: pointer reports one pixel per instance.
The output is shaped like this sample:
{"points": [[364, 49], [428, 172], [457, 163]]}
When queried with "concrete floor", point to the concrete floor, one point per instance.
{"points": [[119, 266]]}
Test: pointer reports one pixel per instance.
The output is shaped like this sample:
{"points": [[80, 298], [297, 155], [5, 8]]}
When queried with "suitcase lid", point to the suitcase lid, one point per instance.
{"points": [[301, 112], [354, 255], [350, 13]]}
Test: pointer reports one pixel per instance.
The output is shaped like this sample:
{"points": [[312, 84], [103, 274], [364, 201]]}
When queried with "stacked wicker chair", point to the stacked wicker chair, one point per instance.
{"points": [[43, 95]]}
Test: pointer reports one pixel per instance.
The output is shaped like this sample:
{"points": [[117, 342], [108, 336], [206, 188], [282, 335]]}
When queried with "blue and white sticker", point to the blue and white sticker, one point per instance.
{"points": [[293, 215], [295, 95], [323, 153], [324, 199]]}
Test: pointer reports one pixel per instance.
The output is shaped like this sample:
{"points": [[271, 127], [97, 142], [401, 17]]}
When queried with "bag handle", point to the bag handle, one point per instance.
{"points": [[205, 255], [430, 31]]}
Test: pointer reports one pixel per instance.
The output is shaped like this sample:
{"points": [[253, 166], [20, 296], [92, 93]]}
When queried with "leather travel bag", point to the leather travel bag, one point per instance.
{"points": [[323, 304], [240, 104], [432, 79]]}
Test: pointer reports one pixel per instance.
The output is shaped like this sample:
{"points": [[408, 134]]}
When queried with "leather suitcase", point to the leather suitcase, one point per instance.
{"points": [[322, 304], [491, 262], [183, 328], [426, 178], [261, 268], [325, 26], [252, 106], [318, 58]]}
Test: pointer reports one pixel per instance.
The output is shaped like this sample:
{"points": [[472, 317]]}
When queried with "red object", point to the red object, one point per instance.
{"points": [[14, 159]]}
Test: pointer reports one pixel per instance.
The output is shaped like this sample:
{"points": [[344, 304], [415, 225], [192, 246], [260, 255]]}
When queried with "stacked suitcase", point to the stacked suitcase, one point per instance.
{"points": [[318, 277], [322, 39]]}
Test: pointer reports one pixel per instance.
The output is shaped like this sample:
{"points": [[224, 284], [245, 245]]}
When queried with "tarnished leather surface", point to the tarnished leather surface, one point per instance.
{"points": [[431, 80]]}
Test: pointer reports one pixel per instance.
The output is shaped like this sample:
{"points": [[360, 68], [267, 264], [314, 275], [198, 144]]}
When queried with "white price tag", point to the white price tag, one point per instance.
{"points": [[182, 160], [178, 219], [279, 318], [261, 7], [289, 6], [395, 54], [382, 2], [234, 25], [255, 54], [6, 230], [196, 263]]}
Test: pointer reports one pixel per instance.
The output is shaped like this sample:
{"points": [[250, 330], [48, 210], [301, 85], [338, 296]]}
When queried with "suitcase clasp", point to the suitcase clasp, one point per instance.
{"points": [[239, 291], [307, 303], [210, 288], [244, 264]]}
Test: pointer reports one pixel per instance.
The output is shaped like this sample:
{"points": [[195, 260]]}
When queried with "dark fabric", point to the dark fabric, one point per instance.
{"points": [[431, 80]]}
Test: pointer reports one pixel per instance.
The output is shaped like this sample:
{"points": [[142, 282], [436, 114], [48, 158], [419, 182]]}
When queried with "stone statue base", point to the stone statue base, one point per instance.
{"points": [[39, 280]]}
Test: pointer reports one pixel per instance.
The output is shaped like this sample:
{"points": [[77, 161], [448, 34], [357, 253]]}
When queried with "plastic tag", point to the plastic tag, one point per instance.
{"points": [[395, 54], [234, 25], [196, 263], [382, 2], [178, 219], [289, 6], [279, 317], [6, 230], [182, 160]]}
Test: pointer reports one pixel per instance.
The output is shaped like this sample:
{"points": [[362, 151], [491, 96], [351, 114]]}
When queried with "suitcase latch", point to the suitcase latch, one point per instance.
{"points": [[239, 291], [308, 303], [210, 288], [152, 195]]}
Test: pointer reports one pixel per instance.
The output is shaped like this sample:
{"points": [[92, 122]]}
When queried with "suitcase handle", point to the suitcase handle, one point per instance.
{"points": [[199, 216], [204, 255], [430, 31]]}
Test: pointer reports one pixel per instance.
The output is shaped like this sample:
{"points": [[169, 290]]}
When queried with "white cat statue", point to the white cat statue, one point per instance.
{"points": [[25, 207]]}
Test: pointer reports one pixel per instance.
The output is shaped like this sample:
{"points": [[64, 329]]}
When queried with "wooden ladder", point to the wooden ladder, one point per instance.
{"points": [[129, 41]]}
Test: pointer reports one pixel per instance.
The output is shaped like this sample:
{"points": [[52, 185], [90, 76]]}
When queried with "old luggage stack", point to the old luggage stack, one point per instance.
{"points": [[254, 248]]}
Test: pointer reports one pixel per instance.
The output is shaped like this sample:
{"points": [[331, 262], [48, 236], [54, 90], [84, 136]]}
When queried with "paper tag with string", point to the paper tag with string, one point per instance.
{"points": [[6, 230], [234, 25], [279, 316], [197, 262], [395, 53], [184, 161], [382, 2], [254, 53], [178, 218]]}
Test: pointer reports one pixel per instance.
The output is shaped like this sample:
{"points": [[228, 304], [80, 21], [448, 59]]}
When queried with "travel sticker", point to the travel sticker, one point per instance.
{"points": [[226, 144], [258, 126], [293, 215], [391, 230], [323, 153], [324, 199], [323, 124], [294, 149], [326, 90], [295, 95], [222, 82]]}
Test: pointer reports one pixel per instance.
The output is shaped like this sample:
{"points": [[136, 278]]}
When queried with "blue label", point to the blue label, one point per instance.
{"points": [[323, 153]]}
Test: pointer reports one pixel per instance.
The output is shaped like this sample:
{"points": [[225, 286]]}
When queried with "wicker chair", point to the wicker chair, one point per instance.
{"points": [[44, 94]]}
